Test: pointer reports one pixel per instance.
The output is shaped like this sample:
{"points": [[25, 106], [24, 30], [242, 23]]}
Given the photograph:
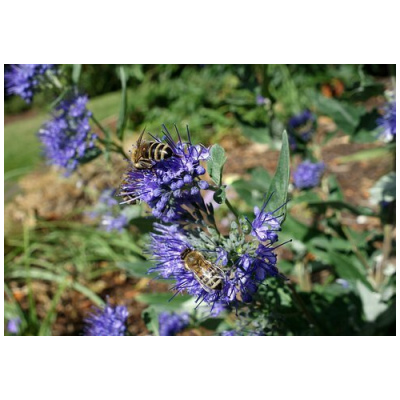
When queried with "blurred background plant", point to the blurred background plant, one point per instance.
{"points": [[340, 218]]}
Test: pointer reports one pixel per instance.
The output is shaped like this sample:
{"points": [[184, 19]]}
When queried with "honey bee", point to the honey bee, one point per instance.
{"points": [[145, 152], [208, 275]]}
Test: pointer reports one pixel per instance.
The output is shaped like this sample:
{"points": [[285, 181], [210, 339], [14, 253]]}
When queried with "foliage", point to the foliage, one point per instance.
{"points": [[341, 277]]}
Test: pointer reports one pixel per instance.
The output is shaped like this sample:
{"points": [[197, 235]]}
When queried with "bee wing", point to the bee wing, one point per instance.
{"points": [[198, 279], [139, 141]]}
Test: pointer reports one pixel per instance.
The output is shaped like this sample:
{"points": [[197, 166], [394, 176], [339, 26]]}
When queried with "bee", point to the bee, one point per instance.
{"points": [[146, 152], [208, 275]]}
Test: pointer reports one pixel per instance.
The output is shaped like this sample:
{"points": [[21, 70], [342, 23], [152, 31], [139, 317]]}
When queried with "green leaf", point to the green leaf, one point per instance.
{"points": [[138, 269], [280, 182], [36, 273], [163, 301], [372, 302], [216, 163], [364, 155], [258, 135], [363, 93], [322, 206], [76, 73], [251, 191], [384, 189], [90, 154], [345, 268], [220, 195], [346, 116], [122, 117], [150, 318]]}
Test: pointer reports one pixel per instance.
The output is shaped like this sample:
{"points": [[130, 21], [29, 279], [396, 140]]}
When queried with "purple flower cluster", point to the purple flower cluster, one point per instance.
{"points": [[242, 264], [260, 100], [24, 79], [110, 321], [301, 128], [109, 210], [302, 125], [13, 325], [172, 323], [308, 174], [265, 225], [171, 186], [387, 123], [68, 136]]}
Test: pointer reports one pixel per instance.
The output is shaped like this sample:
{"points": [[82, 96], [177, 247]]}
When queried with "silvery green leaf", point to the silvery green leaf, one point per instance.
{"points": [[216, 163], [372, 305], [384, 189]]}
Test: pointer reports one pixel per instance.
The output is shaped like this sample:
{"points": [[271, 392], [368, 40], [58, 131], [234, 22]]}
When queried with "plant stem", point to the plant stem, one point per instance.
{"points": [[386, 250], [357, 252], [230, 206], [107, 141], [298, 300]]}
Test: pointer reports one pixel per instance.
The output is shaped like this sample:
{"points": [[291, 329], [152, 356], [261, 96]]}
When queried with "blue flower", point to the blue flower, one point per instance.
{"points": [[172, 323], [343, 283], [260, 100], [265, 226], [114, 223], [24, 79], [110, 321], [109, 210], [171, 186], [387, 123], [228, 333], [308, 174], [13, 325], [302, 125], [243, 266], [67, 136]]}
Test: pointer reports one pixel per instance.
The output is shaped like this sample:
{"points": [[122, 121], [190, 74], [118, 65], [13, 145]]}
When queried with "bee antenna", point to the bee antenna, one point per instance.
{"points": [[140, 137]]}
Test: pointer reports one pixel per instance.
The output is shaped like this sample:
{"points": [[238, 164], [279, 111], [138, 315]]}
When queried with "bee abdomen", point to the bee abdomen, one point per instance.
{"points": [[159, 151], [214, 282]]}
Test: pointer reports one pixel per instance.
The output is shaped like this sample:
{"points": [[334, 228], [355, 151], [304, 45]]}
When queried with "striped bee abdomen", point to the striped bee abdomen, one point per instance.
{"points": [[158, 151]]}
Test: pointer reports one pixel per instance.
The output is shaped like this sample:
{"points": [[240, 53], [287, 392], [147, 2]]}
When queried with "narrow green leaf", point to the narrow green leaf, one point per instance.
{"points": [[162, 301], [138, 269], [35, 273], [363, 155], [216, 163], [322, 206], [45, 326], [123, 106], [278, 188], [347, 270], [76, 73]]}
